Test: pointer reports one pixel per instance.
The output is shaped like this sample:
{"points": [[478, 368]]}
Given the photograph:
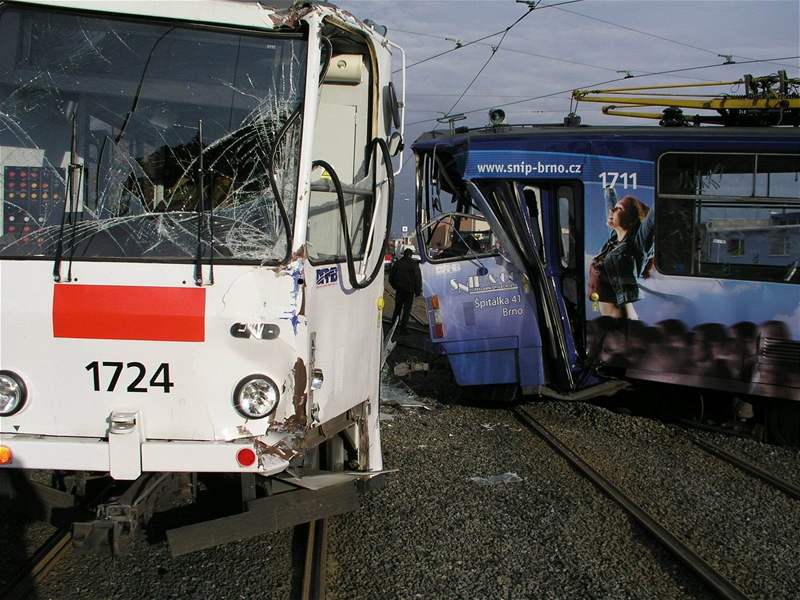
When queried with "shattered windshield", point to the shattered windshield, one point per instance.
{"points": [[186, 141]]}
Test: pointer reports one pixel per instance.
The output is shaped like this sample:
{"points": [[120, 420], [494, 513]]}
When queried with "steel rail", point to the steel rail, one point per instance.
{"points": [[419, 320], [310, 550], [37, 567], [719, 584], [788, 488]]}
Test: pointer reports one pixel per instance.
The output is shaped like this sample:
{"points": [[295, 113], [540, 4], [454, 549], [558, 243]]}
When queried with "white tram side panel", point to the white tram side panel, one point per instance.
{"points": [[128, 365]]}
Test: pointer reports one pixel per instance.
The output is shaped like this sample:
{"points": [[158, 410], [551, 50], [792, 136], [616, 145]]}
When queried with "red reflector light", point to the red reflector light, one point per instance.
{"points": [[435, 302], [6, 456], [438, 330], [246, 457]]}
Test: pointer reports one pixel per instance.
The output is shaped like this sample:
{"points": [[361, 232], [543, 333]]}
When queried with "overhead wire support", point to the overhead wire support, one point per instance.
{"points": [[461, 45], [531, 8]]}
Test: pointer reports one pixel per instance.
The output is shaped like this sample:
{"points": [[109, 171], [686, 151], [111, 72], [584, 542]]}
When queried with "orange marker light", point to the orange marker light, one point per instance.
{"points": [[6, 456], [435, 302]]}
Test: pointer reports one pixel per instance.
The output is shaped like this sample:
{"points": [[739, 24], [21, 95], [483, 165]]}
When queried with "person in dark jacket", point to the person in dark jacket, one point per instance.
{"points": [[406, 279], [626, 256]]}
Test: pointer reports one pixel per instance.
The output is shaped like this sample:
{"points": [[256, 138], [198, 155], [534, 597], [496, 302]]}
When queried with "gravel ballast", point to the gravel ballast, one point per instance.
{"points": [[479, 507]]}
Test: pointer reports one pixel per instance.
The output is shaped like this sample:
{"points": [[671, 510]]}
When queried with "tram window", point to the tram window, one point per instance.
{"points": [[533, 200], [455, 235], [707, 174], [137, 93], [778, 176], [736, 246], [325, 235], [734, 216], [566, 237]]}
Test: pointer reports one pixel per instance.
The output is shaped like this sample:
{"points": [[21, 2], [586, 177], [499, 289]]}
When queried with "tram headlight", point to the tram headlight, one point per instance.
{"points": [[256, 396], [12, 393]]}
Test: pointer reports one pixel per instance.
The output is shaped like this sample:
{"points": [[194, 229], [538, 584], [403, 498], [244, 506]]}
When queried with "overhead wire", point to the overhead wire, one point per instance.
{"points": [[665, 72], [569, 90], [663, 38], [517, 51], [459, 46], [488, 60]]}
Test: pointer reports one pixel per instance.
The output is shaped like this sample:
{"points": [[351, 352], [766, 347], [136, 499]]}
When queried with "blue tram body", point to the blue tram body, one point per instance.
{"points": [[710, 299]]}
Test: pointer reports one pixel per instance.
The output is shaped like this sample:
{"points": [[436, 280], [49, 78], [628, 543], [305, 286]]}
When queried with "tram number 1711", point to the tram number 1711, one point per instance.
{"points": [[610, 179]]}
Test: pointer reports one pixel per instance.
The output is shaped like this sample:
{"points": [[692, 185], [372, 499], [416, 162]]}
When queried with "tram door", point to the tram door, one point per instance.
{"points": [[569, 264], [556, 209]]}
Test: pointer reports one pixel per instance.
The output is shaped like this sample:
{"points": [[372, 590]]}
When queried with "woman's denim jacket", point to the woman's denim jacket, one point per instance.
{"points": [[625, 263]]}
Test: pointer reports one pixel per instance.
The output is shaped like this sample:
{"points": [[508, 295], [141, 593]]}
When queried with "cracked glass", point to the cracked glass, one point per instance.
{"points": [[146, 141]]}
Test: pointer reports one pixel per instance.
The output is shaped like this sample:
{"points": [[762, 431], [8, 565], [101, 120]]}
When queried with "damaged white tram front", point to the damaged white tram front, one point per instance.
{"points": [[195, 201]]}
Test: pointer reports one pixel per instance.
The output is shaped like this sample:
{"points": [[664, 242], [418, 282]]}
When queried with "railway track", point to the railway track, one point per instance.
{"points": [[310, 550], [717, 582], [24, 583]]}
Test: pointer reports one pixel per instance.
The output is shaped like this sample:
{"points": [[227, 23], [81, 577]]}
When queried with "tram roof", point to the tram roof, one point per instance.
{"points": [[511, 136], [257, 14]]}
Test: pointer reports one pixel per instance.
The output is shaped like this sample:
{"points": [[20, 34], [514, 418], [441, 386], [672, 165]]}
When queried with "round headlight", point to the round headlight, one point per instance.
{"points": [[12, 393], [256, 396]]}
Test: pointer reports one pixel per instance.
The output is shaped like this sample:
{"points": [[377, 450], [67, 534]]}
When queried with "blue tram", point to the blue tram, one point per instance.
{"points": [[555, 255]]}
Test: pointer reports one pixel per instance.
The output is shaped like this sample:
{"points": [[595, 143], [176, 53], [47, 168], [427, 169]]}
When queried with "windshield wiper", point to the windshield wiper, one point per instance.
{"points": [[74, 177], [201, 212]]}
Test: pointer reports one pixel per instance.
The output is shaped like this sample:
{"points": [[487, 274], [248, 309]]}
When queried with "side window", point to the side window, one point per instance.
{"points": [[566, 203], [325, 237], [341, 139], [532, 196], [731, 216]]}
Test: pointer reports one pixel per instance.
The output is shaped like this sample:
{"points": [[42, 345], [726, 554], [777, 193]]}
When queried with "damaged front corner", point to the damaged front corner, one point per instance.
{"points": [[300, 395], [297, 294]]}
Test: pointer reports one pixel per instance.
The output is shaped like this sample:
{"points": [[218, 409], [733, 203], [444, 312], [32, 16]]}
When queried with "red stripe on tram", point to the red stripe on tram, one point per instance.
{"points": [[117, 312]]}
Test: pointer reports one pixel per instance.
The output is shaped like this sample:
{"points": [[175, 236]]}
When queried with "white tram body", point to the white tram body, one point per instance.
{"points": [[153, 302]]}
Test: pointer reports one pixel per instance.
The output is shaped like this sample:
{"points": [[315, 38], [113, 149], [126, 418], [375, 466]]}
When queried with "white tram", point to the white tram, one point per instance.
{"points": [[177, 179]]}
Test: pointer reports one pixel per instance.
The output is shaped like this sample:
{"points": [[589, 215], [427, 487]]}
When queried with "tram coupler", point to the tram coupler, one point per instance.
{"points": [[119, 520]]}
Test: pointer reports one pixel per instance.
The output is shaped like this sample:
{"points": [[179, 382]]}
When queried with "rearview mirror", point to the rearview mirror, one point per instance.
{"points": [[395, 144]]}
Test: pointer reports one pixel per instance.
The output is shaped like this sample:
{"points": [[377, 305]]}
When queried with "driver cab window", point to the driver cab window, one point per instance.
{"points": [[452, 227], [456, 235]]}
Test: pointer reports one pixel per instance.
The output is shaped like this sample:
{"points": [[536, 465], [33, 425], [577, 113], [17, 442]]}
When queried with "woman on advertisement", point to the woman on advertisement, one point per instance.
{"points": [[626, 256]]}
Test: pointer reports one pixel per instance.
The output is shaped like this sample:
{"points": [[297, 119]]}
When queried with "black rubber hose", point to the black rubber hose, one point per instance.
{"points": [[274, 185], [390, 202], [348, 246]]}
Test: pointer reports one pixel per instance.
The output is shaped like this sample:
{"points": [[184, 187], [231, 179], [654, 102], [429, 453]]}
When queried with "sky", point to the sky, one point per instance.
{"points": [[565, 47]]}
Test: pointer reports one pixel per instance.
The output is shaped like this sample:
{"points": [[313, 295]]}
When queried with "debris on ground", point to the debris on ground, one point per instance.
{"points": [[496, 479], [404, 368], [397, 394]]}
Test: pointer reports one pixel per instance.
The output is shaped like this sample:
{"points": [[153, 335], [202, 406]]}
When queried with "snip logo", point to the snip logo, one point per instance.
{"points": [[327, 276]]}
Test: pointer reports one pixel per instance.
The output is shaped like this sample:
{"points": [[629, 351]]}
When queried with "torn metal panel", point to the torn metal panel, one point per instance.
{"points": [[268, 451], [316, 435], [300, 395]]}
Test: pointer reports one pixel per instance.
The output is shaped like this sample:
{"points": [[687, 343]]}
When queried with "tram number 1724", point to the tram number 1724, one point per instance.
{"points": [[159, 379]]}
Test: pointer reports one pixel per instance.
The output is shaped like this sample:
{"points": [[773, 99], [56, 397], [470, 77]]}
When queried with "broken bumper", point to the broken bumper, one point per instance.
{"points": [[95, 454]]}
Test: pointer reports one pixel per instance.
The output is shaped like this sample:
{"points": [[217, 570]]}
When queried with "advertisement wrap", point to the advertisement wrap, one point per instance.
{"points": [[488, 320], [698, 287]]}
